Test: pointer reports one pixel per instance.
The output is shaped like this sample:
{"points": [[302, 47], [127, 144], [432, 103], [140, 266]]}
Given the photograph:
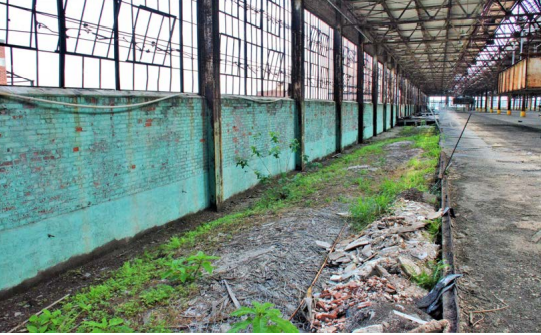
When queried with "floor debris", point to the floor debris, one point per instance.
{"points": [[368, 287]]}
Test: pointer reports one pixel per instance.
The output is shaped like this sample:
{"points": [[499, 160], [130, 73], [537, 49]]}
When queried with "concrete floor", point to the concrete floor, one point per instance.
{"points": [[495, 182]]}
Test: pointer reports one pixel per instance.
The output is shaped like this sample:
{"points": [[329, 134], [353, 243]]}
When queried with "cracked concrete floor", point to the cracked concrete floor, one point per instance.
{"points": [[495, 182]]}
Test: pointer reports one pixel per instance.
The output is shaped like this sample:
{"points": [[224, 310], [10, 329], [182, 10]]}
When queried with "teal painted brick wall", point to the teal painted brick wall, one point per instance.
{"points": [[320, 128], [368, 119], [350, 123], [71, 182], [388, 120], [380, 119], [247, 123]]}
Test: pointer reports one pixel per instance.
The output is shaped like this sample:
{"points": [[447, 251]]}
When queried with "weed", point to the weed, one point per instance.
{"points": [[174, 244], [130, 308], [155, 295], [434, 228], [380, 197], [428, 279], [114, 325], [263, 319], [190, 268], [46, 322], [275, 151]]}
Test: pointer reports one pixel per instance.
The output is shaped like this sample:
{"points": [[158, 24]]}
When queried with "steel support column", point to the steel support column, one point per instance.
{"points": [[116, 42], [375, 92], [338, 91], [208, 38], [297, 76], [360, 89], [61, 43], [384, 83], [523, 109]]}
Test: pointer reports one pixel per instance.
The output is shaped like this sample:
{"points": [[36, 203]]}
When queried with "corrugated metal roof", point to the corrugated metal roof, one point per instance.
{"points": [[442, 44]]}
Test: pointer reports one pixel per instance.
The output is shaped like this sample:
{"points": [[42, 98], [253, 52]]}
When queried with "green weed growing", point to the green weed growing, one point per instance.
{"points": [[263, 319], [427, 279], [188, 269]]}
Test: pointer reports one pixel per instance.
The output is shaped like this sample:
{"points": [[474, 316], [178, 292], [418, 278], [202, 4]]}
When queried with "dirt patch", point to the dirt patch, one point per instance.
{"points": [[412, 194], [275, 261]]}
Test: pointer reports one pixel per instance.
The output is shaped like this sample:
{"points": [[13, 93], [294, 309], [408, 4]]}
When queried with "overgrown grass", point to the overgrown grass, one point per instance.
{"points": [[417, 174], [137, 285]]}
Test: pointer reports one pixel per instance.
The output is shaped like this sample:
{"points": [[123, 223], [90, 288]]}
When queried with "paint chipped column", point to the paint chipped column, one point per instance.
{"points": [[208, 41]]}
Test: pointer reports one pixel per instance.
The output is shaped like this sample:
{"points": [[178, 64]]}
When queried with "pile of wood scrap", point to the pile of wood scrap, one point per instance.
{"points": [[374, 269]]}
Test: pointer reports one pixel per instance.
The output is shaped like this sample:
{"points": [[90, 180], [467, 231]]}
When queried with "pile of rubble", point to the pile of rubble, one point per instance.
{"points": [[374, 269]]}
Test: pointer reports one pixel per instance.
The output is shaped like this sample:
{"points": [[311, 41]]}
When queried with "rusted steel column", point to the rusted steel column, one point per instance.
{"points": [[338, 59], [499, 104], [375, 92], [523, 109], [384, 84], [394, 95], [116, 43], [491, 109], [297, 76], [360, 88], [486, 101], [208, 41], [62, 43], [509, 102]]}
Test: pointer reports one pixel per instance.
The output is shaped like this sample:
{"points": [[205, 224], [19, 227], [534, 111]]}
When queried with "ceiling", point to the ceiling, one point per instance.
{"points": [[447, 46]]}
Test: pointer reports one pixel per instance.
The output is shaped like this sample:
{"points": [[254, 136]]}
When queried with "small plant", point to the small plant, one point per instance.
{"points": [[428, 279], [158, 294], [174, 244], [46, 322], [114, 325], [130, 308], [434, 228], [263, 319], [275, 151], [190, 268]]}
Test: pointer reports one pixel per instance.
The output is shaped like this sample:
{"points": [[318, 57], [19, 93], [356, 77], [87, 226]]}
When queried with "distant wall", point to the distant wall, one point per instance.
{"points": [[320, 128], [380, 111], [368, 120], [74, 179], [350, 122]]}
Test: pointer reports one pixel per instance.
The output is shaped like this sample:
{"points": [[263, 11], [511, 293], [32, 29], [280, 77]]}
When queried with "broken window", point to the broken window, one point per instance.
{"points": [[318, 58]]}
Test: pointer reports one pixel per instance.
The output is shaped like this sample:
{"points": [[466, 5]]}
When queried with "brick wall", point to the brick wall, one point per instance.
{"points": [[379, 116], [368, 119], [247, 123], [350, 123], [388, 116], [72, 180], [320, 128]]}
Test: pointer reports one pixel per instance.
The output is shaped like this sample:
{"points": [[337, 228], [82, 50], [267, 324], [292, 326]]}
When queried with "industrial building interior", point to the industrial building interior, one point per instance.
{"points": [[270, 166]]}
